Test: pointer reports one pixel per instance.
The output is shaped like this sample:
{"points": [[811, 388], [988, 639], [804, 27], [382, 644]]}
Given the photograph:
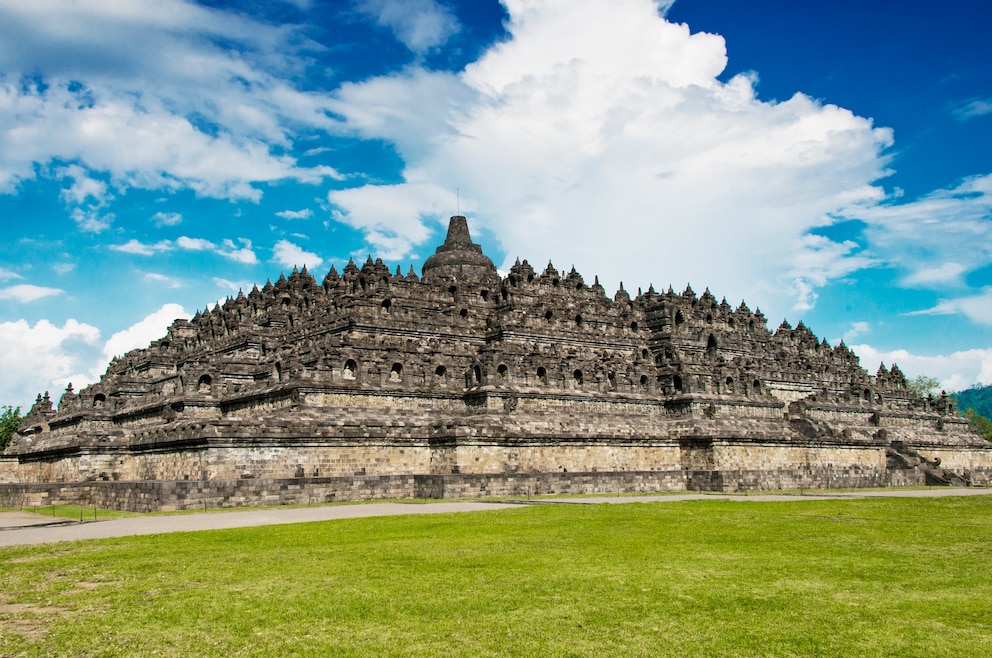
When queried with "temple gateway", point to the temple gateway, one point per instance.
{"points": [[459, 382]]}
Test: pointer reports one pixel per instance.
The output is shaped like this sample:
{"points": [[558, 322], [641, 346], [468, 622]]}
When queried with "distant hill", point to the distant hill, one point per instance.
{"points": [[978, 398]]}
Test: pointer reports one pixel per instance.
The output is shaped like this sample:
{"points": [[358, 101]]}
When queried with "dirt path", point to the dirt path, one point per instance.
{"points": [[20, 528]]}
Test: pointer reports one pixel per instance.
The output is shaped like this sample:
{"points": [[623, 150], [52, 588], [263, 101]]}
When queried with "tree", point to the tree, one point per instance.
{"points": [[923, 385], [10, 420], [979, 423], [978, 398]]}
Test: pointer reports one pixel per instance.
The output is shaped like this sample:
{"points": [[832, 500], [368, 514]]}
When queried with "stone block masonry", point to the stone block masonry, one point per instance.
{"points": [[461, 383]]}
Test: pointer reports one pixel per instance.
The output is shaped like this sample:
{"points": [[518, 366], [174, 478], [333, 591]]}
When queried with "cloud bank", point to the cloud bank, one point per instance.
{"points": [[47, 357], [956, 371], [630, 161], [217, 119]]}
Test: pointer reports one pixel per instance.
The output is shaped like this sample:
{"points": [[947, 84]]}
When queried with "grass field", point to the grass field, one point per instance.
{"points": [[880, 577]]}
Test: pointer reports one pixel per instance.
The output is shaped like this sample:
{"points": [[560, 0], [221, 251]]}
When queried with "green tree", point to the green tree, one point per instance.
{"points": [[980, 423], [923, 385], [978, 398], [10, 420]]}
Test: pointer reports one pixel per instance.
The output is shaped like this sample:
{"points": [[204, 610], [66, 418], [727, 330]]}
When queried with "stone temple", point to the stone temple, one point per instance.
{"points": [[459, 382]]}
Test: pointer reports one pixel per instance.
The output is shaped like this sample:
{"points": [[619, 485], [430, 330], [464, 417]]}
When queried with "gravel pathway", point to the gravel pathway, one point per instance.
{"points": [[20, 528]]}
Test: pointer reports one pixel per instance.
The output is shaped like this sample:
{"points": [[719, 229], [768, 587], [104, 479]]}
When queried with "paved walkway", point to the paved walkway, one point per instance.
{"points": [[20, 528]]}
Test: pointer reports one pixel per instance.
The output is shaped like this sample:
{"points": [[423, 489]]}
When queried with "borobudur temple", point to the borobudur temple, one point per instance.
{"points": [[462, 383]]}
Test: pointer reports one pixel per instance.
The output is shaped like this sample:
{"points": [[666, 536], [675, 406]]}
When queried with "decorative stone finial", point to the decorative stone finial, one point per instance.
{"points": [[459, 257]]}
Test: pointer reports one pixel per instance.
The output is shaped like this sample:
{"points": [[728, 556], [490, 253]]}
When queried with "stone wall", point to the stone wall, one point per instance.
{"points": [[812, 477], [146, 496], [775, 458], [578, 456], [224, 460]]}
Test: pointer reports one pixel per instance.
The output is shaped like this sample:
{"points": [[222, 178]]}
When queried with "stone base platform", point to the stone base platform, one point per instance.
{"points": [[150, 495]]}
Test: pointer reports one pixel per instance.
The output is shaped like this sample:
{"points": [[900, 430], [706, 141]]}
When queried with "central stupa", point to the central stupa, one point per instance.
{"points": [[459, 257]]}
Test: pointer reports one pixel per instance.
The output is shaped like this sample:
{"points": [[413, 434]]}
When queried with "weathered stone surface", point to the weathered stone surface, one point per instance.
{"points": [[462, 383]]}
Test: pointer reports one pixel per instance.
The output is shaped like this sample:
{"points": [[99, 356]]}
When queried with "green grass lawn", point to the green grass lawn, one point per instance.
{"points": [[879, 577]]}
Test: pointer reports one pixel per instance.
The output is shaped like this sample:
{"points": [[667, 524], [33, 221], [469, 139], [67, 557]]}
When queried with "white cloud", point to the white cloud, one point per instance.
{"points": [[977, 308], [141, 249], [820, 260], [420, 25], [215, 120], [48, 357], [63, 268], [169, 282], [393, 216], [143, 332], [167, 219], [600, 135], [240, 252], [949, 228], [974, 108], [83, 187], [25, 292], [91, 220], [289, 255], [415, 109], [857, 329], [232, 286], [40, 357], [194, 244], [243, 254], [6, 274], [944, 274], [956, 371], [306, 213]]}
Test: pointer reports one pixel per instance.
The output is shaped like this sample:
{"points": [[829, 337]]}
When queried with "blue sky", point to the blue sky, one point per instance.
{"points": [[825, 162]]}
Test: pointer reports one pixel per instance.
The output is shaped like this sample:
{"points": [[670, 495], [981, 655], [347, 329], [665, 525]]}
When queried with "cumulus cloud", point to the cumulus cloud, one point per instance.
{"points": [[140, 248], [143, 332], [289, 255], [47, 357], [599, 135], [240, 252], [393, 218], [306, 213], [92, 219], [216, 121], [194, 244], [161, 219], [83, 188], [420, 25], [39, 357], [857, 329], [25, 292], [956, 371], [6, 274]]}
